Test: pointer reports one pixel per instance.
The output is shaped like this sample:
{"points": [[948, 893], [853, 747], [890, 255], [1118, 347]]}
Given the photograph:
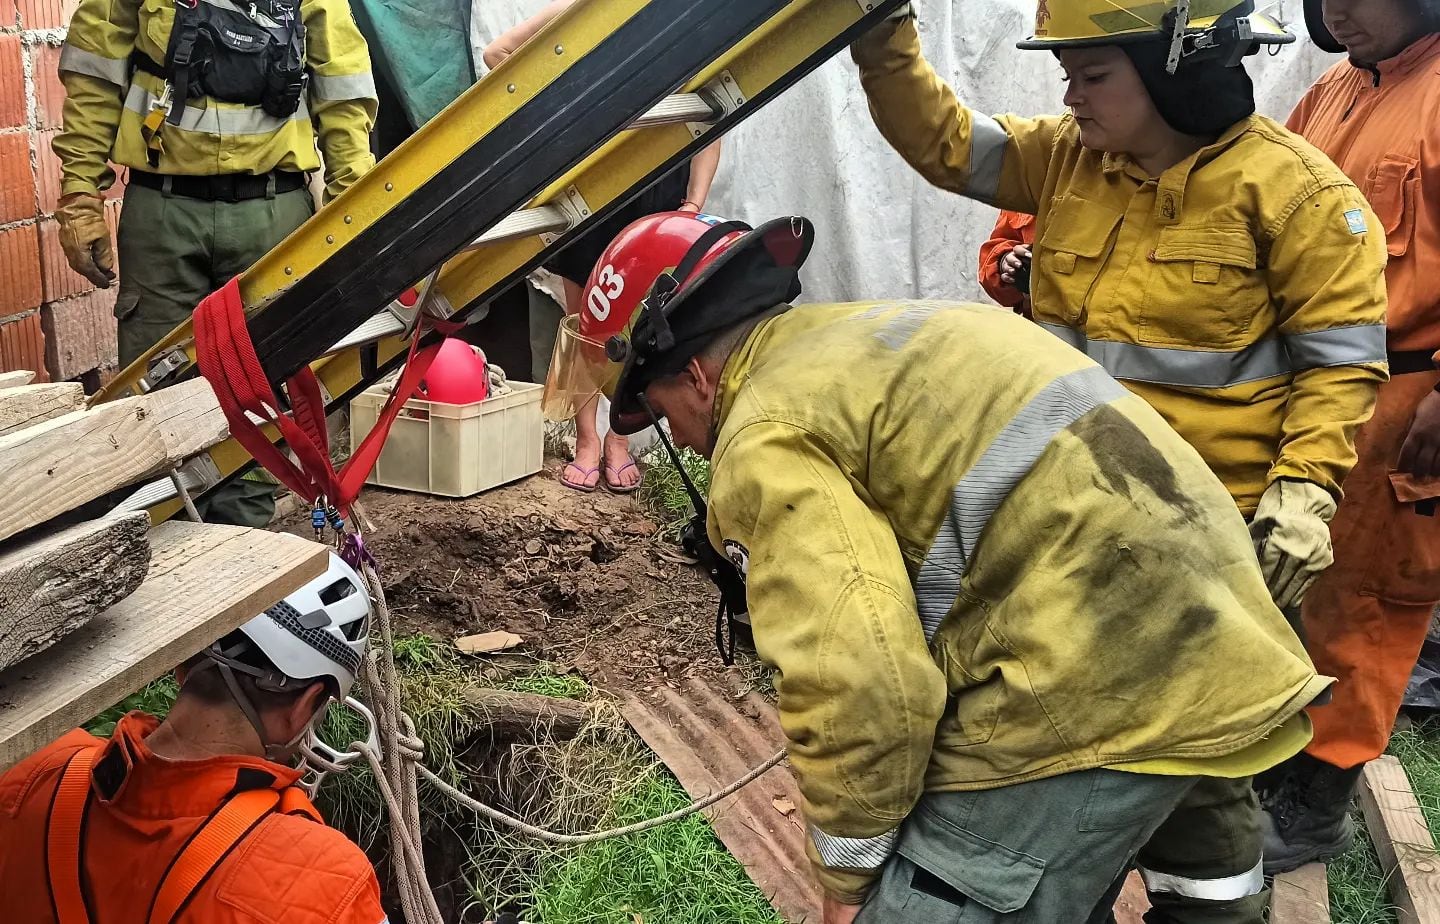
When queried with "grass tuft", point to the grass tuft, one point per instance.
{"points": [[662, 492], [677, 874]]}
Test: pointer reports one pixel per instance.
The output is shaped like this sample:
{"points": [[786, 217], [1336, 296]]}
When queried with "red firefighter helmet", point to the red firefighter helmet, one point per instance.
{"points": [[641, 317]]}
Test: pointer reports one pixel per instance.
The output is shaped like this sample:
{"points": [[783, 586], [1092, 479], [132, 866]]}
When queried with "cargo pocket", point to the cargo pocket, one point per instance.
{"points": [[961, 874], [1069, 257], [1393, 190], [1204, 290], [126, 301]]}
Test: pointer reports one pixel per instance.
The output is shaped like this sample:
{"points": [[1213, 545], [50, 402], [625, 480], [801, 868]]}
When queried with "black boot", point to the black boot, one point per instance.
{"points": [[1306, 812]]}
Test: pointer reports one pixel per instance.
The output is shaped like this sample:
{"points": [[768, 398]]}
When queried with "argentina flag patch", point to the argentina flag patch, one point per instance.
{"points": [[1355, 218]]}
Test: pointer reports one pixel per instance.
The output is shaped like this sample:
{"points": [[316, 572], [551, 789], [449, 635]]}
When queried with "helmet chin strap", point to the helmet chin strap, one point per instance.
{"points": [[279, 753], [721, 571]]}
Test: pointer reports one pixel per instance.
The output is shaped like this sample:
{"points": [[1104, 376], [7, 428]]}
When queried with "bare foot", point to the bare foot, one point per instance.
{"points": [[621, 472], [584, 473]]}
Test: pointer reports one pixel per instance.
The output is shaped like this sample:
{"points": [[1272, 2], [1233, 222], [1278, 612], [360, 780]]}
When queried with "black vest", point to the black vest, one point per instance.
{"points": [[237, 52]]}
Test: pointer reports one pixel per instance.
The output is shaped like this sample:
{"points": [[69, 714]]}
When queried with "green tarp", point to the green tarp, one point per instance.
{"points": [[421, 48]]}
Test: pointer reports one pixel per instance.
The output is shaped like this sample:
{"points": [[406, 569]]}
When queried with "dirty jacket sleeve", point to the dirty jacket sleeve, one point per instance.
{"points": [[343, 100], [833, 612], [1327, 277], [1001, 161], [95, 69]]}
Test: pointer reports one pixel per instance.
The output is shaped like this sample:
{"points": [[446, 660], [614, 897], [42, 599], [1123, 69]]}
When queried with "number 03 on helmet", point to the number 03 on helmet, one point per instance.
{"points": [[652, 247]]}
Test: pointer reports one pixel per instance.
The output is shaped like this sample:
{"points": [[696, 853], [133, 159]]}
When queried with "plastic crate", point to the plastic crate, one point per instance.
{"points": [[454, 450]]}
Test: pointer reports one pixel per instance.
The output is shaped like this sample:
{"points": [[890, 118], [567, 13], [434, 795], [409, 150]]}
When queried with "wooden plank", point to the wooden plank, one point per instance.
{"points": [[18, 377], [1301, 896], [62, 463], [1402, 841], [204, 581], [27, 405], [54, 585]]}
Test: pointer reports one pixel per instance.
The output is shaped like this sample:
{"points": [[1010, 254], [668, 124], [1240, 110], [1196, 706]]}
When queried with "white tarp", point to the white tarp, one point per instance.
{"points": [[882, 231]]}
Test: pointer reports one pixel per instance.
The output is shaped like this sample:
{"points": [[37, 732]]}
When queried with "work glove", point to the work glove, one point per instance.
{"points": [[1291, 530], [85, 238]]}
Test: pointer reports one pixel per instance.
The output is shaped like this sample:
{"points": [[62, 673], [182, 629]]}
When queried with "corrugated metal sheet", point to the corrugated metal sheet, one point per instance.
{"points": [[708, 741]]}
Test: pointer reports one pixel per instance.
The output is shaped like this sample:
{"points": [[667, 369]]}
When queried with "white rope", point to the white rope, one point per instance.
{"points": [[396, 776]]}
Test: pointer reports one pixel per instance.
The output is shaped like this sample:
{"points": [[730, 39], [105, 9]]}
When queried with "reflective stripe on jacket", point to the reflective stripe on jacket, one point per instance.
{"points": [[106, 104], [1241, 292], [975, 559]]}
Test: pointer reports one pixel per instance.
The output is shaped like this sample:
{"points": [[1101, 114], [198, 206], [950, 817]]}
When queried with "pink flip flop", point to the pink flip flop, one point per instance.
{"points": [[614, 488], [585, 474]]}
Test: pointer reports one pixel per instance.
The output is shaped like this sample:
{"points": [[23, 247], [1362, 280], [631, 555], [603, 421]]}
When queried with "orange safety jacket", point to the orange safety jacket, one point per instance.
{"points": [[105, 832], [1381, 127]]}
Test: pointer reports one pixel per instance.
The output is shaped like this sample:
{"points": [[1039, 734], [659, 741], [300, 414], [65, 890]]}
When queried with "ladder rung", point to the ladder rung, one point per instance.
{"points": [[384, 324], [679, 108], [547, 219]]}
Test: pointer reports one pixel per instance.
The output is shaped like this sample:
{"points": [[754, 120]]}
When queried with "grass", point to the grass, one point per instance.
{"points": [[662, 492], [604, 778], [672, 874], [1358, 891]]}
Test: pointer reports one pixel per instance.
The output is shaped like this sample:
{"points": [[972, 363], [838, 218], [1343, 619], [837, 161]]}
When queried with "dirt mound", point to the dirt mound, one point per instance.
{"points": [[582, 578]]}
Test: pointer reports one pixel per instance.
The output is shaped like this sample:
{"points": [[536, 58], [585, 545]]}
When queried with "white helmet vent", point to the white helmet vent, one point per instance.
{"points": [[289, 619]]}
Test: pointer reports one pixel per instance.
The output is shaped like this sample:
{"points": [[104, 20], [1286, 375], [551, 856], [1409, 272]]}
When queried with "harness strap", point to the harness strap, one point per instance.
{"points": [[208, 848], [227, 359], [62, 839]]}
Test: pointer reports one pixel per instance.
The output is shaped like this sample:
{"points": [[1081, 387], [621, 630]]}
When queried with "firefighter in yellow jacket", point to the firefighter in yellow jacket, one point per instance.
{"points": [[1216, 263], [215, 110], [1017, 625]]}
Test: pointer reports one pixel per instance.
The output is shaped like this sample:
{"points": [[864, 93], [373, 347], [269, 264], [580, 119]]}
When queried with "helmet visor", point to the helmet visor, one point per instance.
{"points": [[579, 371]]}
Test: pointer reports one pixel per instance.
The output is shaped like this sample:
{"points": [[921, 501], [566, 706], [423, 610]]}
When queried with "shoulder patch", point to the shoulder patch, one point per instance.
{"points": [[739, 557], [1355, 218]]}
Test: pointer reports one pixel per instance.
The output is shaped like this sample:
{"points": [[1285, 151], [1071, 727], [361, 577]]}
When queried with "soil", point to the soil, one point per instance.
{"points": [[584, 579]]}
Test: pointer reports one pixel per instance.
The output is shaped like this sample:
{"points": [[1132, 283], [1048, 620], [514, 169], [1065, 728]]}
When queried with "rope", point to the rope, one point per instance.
{"points": [[396, 776], [555, 837]]}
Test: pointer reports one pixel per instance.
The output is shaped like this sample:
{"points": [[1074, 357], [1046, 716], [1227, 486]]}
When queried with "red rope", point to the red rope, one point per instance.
{"points": [[227, 359]]}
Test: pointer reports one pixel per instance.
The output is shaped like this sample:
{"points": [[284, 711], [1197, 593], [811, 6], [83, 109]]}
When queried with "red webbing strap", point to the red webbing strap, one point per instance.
{"points": [[227, 359], [62, 838], [210, 845]]}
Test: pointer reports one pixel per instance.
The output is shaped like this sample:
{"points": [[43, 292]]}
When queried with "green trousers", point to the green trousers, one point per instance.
{"points": [[175, 251], [1056, 851]]}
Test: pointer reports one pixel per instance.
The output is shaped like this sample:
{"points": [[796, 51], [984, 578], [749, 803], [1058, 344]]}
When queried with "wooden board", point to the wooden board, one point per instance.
{"points": [[57, 583], [1402, 841], [18, 377], [62, 463], [204, 581], [1301, 896], [27, 405]]}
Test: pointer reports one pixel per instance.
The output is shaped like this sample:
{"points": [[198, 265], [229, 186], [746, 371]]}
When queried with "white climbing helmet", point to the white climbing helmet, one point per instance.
{"points": [[319, 631]]}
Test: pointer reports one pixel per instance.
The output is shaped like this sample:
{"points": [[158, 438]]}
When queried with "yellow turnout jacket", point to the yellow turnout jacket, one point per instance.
{"points": [[974, 559]]}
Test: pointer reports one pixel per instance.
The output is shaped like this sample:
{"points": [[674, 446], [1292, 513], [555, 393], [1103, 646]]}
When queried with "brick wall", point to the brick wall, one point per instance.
{"points": [[52, 320]]}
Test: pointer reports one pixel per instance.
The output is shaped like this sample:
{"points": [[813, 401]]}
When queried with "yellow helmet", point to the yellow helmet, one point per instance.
{"points": [[1211, 28]]}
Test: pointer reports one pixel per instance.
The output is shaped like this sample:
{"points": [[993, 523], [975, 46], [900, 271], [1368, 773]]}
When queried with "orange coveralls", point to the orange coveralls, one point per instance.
{"points": [[143, 810], [1367, 616], [1011, 228]]}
